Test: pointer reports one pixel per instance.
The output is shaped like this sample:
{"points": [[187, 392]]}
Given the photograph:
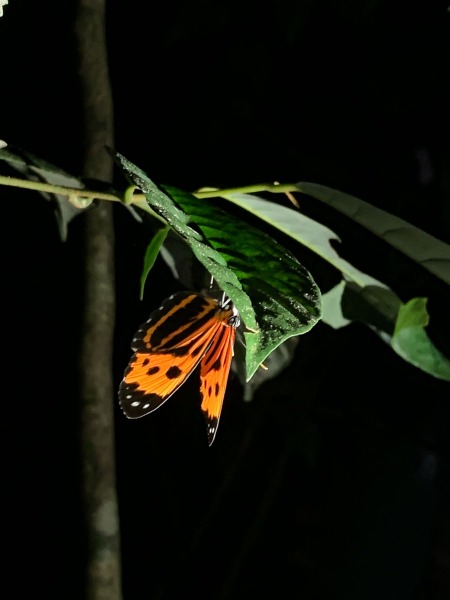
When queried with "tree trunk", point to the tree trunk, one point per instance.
{"points": [[97, 393]]}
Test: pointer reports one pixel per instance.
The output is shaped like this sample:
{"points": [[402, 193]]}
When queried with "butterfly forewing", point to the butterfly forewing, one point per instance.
{"points": [[179, 318], [151, 378], [186, 329]]}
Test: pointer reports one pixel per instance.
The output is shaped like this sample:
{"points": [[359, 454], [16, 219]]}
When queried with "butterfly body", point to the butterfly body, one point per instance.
{"points": [[188, 329]]}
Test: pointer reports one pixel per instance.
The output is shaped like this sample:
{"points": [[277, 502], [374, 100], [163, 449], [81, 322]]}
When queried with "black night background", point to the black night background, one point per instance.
{"points": [[333, 482]]}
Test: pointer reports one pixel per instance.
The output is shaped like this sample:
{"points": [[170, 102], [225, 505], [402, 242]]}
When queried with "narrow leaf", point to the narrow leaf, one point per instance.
{"points": [[303, 229], [151, 254], [359, 297], [432, 254], [37, 169]]}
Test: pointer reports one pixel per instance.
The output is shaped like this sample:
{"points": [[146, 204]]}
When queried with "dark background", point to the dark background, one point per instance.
{"points": [[333, 482]]}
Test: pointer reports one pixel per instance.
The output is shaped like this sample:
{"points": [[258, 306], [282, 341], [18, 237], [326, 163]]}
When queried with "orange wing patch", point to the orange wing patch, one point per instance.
{"points": [[214, 370], [186, 330]]}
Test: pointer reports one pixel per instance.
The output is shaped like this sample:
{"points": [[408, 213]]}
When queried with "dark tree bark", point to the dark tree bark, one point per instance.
{"points": [[97, 394]]}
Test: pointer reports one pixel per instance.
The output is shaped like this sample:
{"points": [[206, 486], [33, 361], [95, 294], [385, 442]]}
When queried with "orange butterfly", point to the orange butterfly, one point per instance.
{"points": [[189, 328]]}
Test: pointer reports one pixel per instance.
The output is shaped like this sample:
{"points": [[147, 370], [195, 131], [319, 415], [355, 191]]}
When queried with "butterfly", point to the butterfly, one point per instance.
{"points": [[187, 329]]}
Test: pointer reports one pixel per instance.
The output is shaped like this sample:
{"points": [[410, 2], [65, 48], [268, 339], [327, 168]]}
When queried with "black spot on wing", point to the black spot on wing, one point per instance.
{"points": [[216, 366], [173, 372]]}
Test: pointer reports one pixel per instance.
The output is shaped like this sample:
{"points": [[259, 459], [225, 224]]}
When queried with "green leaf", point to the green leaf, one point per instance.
{"points": [[402, 326], [285, 300], [412, 314], [37, 169], [359, 297], [285, 297], [374, 305], [178, 220], [363, 297], [411, 341], [432, 254], [309, 233], [151, 255], [332, 307]]}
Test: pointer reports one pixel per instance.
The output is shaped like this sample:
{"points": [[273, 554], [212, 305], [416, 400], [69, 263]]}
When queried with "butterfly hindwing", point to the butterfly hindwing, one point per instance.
{"points": [[187, 329], [214, 371]]}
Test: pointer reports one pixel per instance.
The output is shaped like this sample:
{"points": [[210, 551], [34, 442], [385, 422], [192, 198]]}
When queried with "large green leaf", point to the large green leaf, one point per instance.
{"points": [[284, 295], [359, 297], [303, 229], [165, 207], [432, 254], [245, 262], [378, 302], [187, 269]]}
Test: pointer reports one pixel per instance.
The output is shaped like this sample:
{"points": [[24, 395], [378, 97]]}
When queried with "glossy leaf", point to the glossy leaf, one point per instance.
{"points": [[285, 300], [431, 253], [359, 297]]}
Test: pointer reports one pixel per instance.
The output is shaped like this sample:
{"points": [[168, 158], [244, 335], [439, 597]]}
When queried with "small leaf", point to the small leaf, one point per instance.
{"points": [[412, 343], [37, 169], [151, 255], [2, 4], [412, 314]]}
